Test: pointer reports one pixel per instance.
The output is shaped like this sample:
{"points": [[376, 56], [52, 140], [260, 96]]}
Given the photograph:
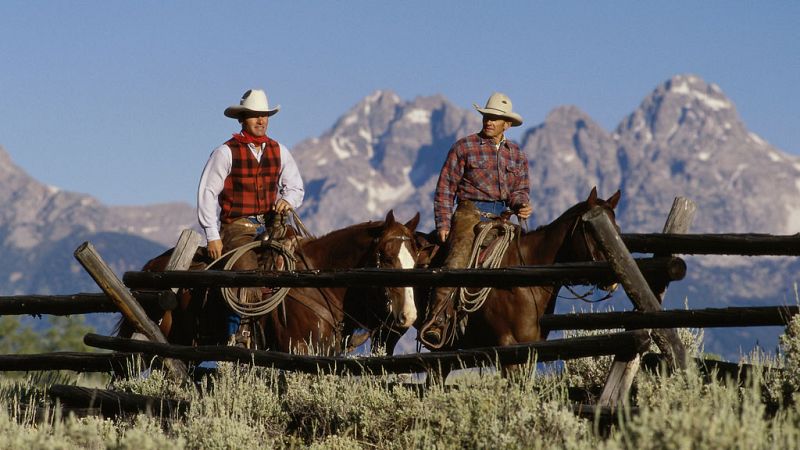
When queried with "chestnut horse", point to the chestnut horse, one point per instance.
{"points": [[509, 315], [326, 319], [309, 320]]}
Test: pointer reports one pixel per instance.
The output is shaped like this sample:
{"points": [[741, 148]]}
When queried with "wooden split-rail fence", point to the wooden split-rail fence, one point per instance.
{"points": [[645, 281]]}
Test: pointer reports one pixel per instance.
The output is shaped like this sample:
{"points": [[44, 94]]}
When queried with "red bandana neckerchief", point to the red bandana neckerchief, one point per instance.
{"points": [[246, 138]]}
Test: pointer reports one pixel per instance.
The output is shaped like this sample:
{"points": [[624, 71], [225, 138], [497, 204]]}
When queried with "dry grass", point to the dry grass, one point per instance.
{"points": [[250, 407]]}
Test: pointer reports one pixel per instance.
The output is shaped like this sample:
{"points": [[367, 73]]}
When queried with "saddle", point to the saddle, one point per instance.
{"points": [[472, 244], [495, 242], [276, 251]]}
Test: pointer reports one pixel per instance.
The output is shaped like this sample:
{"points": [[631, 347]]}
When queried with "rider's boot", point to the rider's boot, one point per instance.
{"points": [[459, 248]]}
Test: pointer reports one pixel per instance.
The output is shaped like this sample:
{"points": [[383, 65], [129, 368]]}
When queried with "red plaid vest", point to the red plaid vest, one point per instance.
{"points": [[252, 186]]}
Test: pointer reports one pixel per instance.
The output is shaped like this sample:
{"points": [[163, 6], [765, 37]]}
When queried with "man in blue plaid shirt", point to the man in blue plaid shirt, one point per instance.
{"points": [[484, 176], [485, 169]]}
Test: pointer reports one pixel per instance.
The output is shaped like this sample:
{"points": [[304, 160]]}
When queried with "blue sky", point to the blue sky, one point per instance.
{"points": [[124, 100]]}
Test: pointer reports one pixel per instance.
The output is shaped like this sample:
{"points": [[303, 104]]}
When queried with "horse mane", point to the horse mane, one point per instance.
{"points": [[351, 228], [337, 234]]}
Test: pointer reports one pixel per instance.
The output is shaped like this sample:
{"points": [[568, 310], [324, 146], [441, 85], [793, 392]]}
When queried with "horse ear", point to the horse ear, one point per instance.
{"points": [[592, 196], [412, 224], [614, 199], [389, 218]]}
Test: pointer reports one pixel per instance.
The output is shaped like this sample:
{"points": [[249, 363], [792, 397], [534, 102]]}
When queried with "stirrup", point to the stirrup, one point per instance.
{"points": [[240, 339]]}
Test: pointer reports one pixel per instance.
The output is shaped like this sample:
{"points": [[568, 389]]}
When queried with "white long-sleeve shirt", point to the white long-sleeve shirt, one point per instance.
{"points": [[218, 167]]}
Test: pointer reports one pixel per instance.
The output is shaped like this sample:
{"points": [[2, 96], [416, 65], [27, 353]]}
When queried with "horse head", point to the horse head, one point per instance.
{"points": [[566, 239], [579, 244], [395, 248]]}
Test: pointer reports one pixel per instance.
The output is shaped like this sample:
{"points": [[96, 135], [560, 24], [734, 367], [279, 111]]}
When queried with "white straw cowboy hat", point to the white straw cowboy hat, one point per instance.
{"points": [[500, 105], [253, 101]]}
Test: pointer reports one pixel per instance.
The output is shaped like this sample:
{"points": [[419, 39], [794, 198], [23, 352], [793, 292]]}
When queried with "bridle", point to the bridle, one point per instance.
{"points": [[387, 322], [596, 255]]}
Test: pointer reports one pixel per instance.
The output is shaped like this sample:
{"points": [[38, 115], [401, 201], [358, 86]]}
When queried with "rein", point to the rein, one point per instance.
{"points": [[584, 297], [592, 251]]}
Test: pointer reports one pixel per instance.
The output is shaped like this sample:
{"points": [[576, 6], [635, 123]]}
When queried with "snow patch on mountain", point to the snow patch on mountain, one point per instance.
{"points": [[756, 138], [715, 104], [775, 157], [349, 119], [418, 116], [342, 147], [360, 187]]}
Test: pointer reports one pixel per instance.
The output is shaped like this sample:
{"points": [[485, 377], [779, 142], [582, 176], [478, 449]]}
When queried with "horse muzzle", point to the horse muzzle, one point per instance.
{"points": [[402, 307]]}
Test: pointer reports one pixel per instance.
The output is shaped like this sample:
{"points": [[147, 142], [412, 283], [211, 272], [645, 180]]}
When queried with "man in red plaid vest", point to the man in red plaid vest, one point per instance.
{"points": [[246, 182]]}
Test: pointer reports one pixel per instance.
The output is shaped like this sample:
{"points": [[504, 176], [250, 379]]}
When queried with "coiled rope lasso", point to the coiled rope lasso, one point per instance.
{"points": [[239, 301], [471, 301]]}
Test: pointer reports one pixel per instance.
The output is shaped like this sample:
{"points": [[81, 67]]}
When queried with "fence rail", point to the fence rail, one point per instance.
{"points": [[565, 273], [606, 344], [693, 318], [82, 303], [74, 361], [748, 244]]}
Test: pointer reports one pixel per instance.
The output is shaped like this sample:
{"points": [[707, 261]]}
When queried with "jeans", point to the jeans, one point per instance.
{"points": [[496, 207]]}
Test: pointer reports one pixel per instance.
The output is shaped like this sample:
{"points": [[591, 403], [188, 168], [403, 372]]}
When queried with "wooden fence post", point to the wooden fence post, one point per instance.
{"points": [[625, 366], [633, 281], [184, 251], [181, 259], [127, 304], [679, 221]]}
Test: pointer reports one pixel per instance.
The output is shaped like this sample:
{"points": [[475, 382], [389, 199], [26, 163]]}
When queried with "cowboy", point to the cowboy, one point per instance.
{"points": [[247, 183], [486, 176]]}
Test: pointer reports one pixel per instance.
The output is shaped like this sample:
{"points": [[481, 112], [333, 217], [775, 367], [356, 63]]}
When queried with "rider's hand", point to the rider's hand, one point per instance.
{"points": [[215, 248], [282, 206], [443, 235], [524, 211]]}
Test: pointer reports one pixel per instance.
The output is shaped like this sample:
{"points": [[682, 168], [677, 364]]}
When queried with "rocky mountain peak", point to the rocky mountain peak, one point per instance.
{"points": [[568, 154], [697, 91], [686, 138], [565, 114], [382, 152], [680, 109]]}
